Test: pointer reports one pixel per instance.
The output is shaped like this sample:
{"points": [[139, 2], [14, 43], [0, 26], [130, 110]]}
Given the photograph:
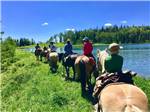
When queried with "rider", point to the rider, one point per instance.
{"points": [[68, 48], [87, 48], [37, 46], [87, 51], [114, 62], [45, 48], [52, 47]]}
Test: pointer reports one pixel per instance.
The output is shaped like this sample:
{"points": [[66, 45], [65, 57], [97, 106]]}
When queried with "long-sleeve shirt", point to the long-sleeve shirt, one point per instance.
{"points": [[37, 47], [53, 48], [87, 48], [68, 48], [113, 63]]}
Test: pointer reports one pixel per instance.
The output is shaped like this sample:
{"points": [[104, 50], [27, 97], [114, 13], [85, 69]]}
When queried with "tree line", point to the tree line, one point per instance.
{"points": [[119, 34], [24, 42]]}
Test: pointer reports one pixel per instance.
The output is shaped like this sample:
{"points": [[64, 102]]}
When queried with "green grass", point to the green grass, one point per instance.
{"points": [[144, 84], [28, 85]]}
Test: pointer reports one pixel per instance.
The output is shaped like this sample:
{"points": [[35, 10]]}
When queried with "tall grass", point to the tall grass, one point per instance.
{"points": [[28, 85]]}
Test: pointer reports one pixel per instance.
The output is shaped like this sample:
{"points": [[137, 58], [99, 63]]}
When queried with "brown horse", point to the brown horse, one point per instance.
{"points": [[120, 97], [83, 68], [44, 53], [38, 53], [53, 59]]}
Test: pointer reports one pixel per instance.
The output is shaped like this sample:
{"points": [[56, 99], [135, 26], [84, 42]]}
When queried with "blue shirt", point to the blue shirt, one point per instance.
{"points": [[68, 48], [53, 48]]}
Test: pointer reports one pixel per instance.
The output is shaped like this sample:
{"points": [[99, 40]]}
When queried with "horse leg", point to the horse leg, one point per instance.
{"points": [[37, 58], [83, 76], [40, 57], [73, 68], [67, 72], [89, 82]]}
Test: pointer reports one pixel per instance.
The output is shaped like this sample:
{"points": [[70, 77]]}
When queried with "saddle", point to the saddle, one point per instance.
{"points": [[71, 56], [92, 61], [53, 54], [108, 78]]}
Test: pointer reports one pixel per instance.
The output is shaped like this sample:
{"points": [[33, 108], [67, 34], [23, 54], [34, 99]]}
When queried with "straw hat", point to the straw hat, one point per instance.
{"points": [[114, 48]]}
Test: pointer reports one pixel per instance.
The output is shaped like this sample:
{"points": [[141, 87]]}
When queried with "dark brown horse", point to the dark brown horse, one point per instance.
{"points": [[68, 61], [38, 53]]}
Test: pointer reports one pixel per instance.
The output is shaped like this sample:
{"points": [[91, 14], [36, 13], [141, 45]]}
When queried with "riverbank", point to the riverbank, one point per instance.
{"points": [[76, 45], [59, 45], [28, 85]]}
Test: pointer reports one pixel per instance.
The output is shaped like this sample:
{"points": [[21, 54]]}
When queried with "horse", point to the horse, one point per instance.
{"points": [[84, 68], [44, 53], [101, 56], [122, 98], [68, 61], [52, 60], [38, 53], [119, 96]]}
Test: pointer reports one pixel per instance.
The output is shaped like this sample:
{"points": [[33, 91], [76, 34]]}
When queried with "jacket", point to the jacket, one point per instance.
{"points": [[68, 48], [87, 48]]}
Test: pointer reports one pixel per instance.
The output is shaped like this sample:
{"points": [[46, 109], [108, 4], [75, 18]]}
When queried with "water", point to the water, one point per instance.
{"points": [[136, 56]]}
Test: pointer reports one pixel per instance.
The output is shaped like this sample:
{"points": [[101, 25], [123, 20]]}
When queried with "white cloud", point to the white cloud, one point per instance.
{"points": [[45, 24], [123, 22], [107, 24], [68, 29]]}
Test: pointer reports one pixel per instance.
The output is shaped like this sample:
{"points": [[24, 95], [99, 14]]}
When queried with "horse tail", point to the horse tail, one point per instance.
{"points": [[82, 75], [131, 108]]}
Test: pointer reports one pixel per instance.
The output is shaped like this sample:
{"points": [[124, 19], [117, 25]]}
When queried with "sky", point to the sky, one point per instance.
{"points": [[41, 19]]}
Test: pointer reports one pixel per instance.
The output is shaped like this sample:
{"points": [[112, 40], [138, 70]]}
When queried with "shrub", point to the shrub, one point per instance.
{"points": [[8, 47]]}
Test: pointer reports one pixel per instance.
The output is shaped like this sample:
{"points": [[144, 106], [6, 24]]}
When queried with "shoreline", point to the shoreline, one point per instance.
{"points": [[76, 45]]}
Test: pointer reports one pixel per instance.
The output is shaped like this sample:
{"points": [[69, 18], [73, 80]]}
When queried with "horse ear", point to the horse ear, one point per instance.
{"points": [[98, 52]]}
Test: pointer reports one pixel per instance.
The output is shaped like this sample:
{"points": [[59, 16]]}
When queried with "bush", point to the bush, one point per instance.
{"points": [[8, 47]]}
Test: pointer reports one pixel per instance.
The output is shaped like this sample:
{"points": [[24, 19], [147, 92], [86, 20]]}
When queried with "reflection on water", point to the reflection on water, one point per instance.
{"points": [[136, 56]]}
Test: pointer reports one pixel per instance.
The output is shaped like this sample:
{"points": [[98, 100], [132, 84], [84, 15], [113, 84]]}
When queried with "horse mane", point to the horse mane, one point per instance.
{"points": [[101, 58]]}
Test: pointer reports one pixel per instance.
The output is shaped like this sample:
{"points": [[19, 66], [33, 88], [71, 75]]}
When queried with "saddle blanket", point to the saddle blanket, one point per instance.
{"points": [[53, 54]]}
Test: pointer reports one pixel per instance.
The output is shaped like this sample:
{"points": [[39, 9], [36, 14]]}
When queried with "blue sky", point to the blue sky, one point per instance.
{"points": [[40, 20]]}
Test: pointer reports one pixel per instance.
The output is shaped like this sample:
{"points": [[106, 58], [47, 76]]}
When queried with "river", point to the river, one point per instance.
{"points": [[136, 56]]}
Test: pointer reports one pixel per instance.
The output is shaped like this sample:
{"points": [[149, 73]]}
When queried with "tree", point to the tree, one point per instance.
{"points": [[119, 34]]}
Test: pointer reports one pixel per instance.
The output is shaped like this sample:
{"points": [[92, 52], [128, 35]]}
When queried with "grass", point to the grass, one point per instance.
{"points": [[28, 85], [144, 84]]}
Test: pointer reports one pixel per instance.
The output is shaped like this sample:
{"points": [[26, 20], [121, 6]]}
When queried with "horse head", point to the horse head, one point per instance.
{"points": [[101, 55]]}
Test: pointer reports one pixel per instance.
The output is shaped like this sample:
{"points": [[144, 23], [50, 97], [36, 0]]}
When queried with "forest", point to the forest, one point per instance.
{"points": [[106, 35]]}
